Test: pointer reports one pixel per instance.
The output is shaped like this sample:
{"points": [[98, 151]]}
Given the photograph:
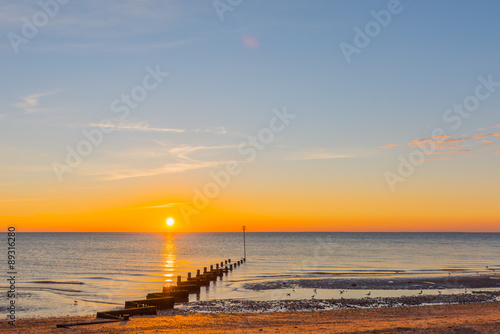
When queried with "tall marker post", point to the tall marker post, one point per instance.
{"points": [[244, 244]]}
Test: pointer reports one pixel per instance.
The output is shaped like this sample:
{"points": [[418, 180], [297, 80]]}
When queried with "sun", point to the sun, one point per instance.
{"points": [[170, 221]]}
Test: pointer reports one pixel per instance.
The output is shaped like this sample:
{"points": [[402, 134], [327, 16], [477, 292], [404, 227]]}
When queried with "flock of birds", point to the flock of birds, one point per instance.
{"points": [[289, 294], [369, 292]]}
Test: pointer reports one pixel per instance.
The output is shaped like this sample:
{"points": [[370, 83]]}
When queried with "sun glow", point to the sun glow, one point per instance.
{"points": [[170, 221]]}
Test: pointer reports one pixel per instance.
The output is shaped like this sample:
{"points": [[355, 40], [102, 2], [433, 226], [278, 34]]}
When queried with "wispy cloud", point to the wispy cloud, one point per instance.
{"points": [[181, 157], [496, 134], [142, 126], [389, 145], [426, 140], [436, 159], [31, 103], [112, 25], [168, 205], [171, 168], [217, 130], [184, 150], [445, 144], [317, 154]]}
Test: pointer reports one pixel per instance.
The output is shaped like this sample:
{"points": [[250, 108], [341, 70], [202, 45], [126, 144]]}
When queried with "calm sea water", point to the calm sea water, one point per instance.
{"points": [[102, 270]]}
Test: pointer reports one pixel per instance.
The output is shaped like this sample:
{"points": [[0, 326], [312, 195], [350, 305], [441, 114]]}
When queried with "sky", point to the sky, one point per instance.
{"points": [[278, 115]]}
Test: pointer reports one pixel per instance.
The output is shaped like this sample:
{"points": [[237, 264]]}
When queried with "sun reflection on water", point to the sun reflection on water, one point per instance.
{"points": [[169, 251]]}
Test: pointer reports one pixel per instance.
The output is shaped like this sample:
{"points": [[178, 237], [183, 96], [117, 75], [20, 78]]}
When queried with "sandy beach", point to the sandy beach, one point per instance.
{"points": [[465, 318]]}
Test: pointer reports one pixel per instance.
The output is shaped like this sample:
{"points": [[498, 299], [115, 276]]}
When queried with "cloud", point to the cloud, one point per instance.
{"points": [[426, 140], [458, 140], [121, 26], [181, 161], [171, 168], [449, 152], [168, 205], [31, 104], [183, 151], [389, 145], [317, 156], [217, 130], [495, 134], [445, 144], [448, 147], [142, 126], [436, 159]]}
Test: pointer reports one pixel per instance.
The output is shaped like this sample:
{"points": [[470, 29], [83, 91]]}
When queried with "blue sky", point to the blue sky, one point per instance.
{"points": [[226, 77]]}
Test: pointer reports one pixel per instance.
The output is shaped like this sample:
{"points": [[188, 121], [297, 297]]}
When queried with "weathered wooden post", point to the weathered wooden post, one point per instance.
{"points": [[178, 280], [244, 243]]}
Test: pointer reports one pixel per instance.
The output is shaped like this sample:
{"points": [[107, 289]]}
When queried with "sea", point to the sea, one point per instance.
{"points": [[58, 274]]}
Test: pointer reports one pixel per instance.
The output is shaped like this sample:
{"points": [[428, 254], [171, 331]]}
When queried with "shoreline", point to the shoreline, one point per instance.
{"points": [[464, 318], [382, 283]]}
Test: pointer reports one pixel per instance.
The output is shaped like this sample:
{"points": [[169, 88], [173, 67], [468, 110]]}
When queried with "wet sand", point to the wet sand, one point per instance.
{"points": [[465, 318], [383, 283]]}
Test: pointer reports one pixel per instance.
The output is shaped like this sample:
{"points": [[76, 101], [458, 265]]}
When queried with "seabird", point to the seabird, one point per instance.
{"points": [[369, 293]]}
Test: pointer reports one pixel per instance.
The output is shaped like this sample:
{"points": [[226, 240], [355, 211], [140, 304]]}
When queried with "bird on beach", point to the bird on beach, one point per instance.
{"points": [[341, 291], [315, 291], [288, 294], [369, 293], [76, 302], [421, 292]]}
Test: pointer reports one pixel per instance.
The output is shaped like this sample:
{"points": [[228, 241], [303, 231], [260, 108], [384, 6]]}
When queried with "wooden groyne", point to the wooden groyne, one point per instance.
{"points": [[178, 293]]}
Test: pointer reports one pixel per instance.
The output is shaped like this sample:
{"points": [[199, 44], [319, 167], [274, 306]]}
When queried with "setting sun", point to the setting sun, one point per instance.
{"points": [[170, 221]]}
